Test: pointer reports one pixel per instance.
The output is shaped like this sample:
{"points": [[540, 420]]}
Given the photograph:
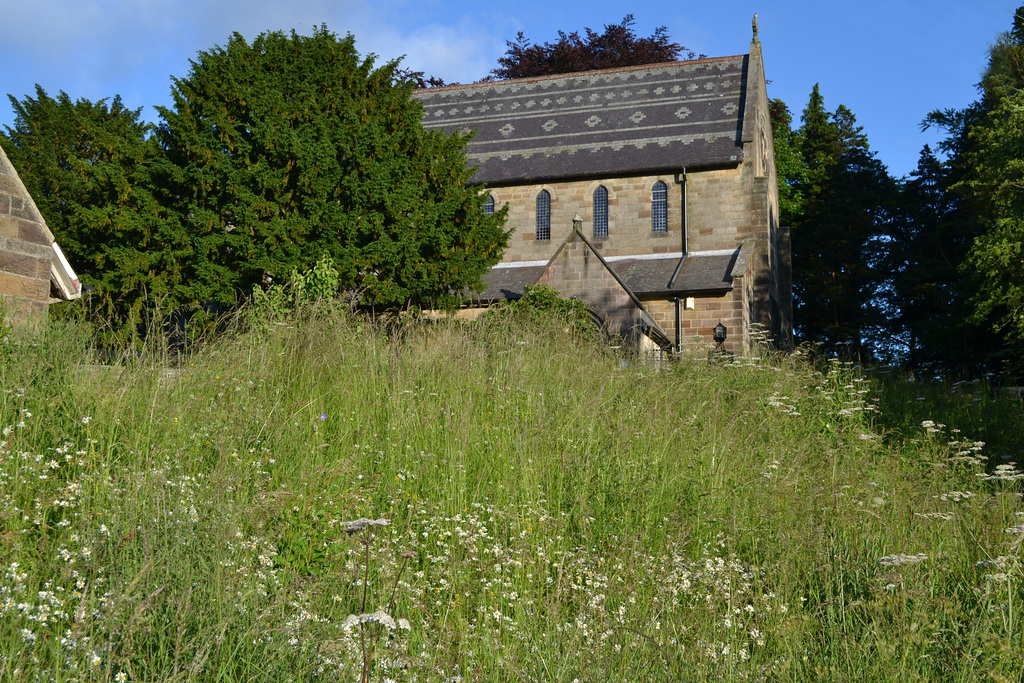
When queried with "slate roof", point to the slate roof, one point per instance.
{"points": [[705, 272], [508, 282], [645, 119], [701, 273]]}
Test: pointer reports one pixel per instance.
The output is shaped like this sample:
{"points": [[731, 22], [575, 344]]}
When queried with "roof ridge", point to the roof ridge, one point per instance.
{"points": [[575, 74]]}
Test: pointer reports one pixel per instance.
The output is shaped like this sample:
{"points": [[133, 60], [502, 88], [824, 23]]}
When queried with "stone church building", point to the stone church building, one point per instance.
{"points": [[649, 192], [33, 270]]}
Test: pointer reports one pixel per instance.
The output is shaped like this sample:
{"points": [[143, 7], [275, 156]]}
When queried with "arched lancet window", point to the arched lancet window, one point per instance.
{"points": [[601, 212], [544, 215], [489, 206], [659, 207]]}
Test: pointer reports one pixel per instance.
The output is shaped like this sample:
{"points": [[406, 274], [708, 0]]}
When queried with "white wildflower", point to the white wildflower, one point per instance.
{"points": [[379, 617], [362, 523], [997, 562], [898, 560]]}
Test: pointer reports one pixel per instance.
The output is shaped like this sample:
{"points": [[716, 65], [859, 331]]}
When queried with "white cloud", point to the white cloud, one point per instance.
{"points": [[461, 53], [96, 48]]}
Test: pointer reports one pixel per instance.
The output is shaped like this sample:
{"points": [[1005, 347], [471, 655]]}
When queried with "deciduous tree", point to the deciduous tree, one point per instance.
{"points": [[996, 258], [618, 46], [790, 167]]}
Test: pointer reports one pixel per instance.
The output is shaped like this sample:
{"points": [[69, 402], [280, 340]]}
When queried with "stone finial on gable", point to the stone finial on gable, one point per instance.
{"points": [[754, 23]]}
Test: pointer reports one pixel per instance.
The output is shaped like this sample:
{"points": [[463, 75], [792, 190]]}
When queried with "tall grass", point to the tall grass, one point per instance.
{"points": [[574, 514]]}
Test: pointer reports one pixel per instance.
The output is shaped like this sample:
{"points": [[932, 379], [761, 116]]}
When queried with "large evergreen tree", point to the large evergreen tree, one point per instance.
{"points": [[845, 195], [985, 149], [925, 296], [294, 146]]}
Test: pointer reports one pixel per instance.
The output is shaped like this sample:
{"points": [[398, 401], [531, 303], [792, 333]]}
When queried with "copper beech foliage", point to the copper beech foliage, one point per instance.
{"points": [[618, 46]]}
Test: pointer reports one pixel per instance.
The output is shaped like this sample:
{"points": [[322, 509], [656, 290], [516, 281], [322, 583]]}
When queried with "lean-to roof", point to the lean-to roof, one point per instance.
{"points": [[700, 273]]}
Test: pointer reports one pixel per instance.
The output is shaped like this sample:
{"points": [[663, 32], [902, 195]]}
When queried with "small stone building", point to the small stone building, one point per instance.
{"points": [[669, 172], [33, 270]]}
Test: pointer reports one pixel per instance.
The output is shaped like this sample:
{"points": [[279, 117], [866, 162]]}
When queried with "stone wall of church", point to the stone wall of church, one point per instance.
{"points": [[629, 217], [720, 212], [725, 207], [698, 323], [25, 250], [718, 215], [576, 272]]}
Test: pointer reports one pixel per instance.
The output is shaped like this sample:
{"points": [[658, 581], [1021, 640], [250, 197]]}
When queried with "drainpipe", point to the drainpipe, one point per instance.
{"points": [[681, 180], [685, 208], [679, 326]]}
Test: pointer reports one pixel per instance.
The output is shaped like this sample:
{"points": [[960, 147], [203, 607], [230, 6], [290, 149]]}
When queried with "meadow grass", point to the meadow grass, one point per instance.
{"points": [[556, 512]]}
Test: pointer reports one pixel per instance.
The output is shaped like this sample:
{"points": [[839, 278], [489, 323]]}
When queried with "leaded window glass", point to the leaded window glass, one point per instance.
{"points": [[489, 206], [659, 207], [544, 215], [601, 212]]}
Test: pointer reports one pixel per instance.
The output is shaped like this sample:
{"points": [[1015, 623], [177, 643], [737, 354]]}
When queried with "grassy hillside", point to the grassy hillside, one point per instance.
{"points": [[554, 513]]}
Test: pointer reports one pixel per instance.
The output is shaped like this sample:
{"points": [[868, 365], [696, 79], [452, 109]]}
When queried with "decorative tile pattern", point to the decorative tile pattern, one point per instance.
{"points": [[655, 118]]}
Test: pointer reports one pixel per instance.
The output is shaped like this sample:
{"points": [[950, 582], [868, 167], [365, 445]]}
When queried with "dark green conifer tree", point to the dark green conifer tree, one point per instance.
{"points": [[985, 149], [846, 192], [88, 166], [294, 146], [926, 293]]}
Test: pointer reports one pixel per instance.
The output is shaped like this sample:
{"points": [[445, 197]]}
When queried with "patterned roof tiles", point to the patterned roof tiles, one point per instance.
{"points": [[648, 119]]}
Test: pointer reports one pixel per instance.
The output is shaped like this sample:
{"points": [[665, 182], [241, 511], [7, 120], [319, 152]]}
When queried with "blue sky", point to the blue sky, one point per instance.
{"points": [[890, 62]]}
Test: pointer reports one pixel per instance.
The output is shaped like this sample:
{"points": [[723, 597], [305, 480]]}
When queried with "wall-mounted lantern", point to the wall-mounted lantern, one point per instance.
{"points": [[720, 334]]}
